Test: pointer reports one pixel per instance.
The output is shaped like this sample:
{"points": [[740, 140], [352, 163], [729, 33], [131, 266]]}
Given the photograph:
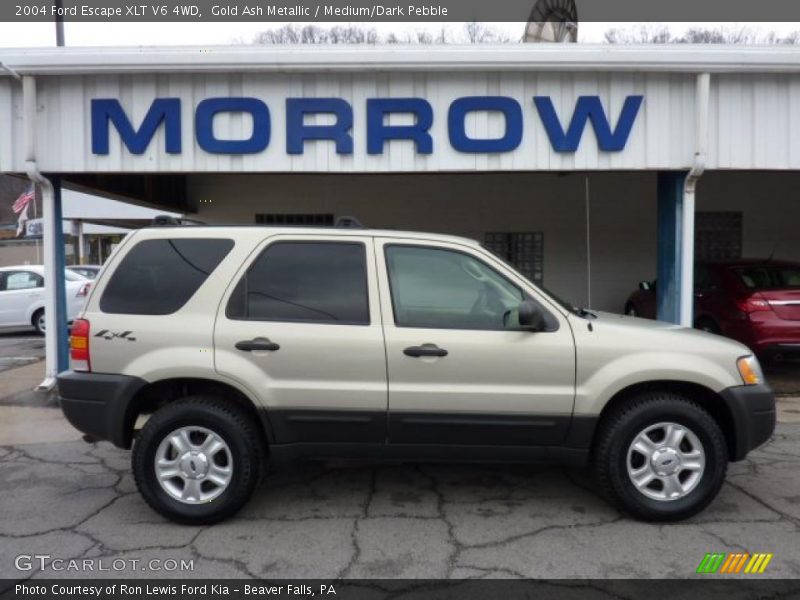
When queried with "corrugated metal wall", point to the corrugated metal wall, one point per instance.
{"points": [[755, 121]]}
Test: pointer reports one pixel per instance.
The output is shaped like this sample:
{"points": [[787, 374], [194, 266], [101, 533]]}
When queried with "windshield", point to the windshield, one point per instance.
{"points": [[772, 277]]}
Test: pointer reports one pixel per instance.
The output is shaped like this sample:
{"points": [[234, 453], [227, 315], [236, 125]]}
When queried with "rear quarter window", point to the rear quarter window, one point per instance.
{"points": [[157, 277], [769, 277]]}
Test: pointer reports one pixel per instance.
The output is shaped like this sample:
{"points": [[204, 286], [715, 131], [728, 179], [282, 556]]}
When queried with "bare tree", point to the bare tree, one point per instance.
{"points": [[351, 34], [473, 33], [480, 33], [650, 34], [644, 34], [792, 38], [313, 34], [420, 36], [442, 37]]}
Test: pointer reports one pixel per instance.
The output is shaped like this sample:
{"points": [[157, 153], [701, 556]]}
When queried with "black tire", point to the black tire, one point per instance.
{"points": [[616, 434], [630, 310], [236, 428], [707, 324], [36, 321]]}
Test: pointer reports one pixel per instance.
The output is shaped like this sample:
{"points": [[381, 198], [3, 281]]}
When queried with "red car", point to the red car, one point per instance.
{"points": [[756, 302]]}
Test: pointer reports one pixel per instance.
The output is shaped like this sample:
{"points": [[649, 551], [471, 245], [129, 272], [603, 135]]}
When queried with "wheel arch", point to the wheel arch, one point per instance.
{"points": [[708, 399], [156, 394], [33, 309]]}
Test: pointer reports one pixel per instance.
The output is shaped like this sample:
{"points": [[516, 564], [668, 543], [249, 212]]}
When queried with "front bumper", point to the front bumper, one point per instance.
{"points": [[752, 409], [100, 404]]}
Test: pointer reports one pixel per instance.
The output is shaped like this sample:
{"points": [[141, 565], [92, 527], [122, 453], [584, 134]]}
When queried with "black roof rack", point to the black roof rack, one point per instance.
{"points": [[170, 221], [348, 223]]}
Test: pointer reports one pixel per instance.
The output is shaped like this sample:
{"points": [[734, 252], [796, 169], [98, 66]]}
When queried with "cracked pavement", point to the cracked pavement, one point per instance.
{"points": [[75, 500]]}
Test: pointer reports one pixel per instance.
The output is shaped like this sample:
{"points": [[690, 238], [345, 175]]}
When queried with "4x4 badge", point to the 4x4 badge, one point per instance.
{"points": [[110, 335]]}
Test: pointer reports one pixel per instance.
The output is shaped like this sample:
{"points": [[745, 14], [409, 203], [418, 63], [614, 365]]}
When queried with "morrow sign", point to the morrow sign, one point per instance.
{"points": [[166, 112]]}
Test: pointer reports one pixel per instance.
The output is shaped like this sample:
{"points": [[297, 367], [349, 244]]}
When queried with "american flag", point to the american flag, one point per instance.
{"points": [[23, 200]]}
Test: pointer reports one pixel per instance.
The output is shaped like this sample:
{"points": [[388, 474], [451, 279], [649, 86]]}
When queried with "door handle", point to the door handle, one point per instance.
{"points": [[257, 344], [425, 350]]}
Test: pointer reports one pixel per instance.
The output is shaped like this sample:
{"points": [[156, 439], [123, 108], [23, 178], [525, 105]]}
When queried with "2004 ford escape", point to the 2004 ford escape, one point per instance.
{"points": [[248, 344]]}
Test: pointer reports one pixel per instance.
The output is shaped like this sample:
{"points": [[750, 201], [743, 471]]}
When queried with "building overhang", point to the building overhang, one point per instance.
{"points": [[678, 58]]}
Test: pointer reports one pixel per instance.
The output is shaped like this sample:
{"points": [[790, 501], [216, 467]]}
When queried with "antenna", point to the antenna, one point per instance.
{"points": [[554, 21]]}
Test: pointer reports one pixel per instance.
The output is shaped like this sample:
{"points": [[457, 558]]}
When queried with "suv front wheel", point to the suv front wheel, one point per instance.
{"points": [[661, 457], [197, 460]]}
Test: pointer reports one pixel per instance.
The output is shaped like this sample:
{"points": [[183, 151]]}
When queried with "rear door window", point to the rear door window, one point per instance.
{"points": [[157, 277], [310, 282], [22, 280]]}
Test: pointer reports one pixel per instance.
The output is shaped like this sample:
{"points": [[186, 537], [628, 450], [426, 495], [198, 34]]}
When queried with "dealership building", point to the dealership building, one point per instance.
{"points": [[589, 167]]}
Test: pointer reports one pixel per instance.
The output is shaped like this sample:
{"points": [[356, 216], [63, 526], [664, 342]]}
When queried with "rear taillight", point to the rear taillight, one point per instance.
{"points": [[84, 290], [79, 345], [753, 304]]}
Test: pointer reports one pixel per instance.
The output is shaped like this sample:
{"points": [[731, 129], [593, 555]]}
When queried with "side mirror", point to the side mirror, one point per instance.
{"points": [[645, 286], [531, 316]]}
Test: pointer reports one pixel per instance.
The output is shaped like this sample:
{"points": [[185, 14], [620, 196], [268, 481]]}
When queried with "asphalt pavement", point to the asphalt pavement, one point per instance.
{"points": [[64, 499], [19, 348], [75, 500]]}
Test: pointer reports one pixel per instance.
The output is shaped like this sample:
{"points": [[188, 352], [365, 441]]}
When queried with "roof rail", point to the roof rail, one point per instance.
{"points": [[348, 223], [170, 221]]}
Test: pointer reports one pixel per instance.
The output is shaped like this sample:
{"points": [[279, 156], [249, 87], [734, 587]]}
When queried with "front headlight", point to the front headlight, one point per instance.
{"points": [[750, 370]]}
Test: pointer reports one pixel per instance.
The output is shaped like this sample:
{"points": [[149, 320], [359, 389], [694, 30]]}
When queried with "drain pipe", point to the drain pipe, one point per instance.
{"points": [[702, 99], [48, 209]]}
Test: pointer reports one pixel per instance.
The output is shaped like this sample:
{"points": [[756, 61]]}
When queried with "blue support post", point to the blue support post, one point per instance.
{"points": [[670, 240], [62, 335]]}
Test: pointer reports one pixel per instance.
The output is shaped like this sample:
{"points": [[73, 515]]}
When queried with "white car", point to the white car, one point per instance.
{"points": [[22, 296]]}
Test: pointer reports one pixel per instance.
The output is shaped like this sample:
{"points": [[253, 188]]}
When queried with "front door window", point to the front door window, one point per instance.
{"points": [[446, 289]]}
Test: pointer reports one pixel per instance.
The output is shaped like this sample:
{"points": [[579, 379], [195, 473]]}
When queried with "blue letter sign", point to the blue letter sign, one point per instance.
{"points": [[588, 108], [378, 132], [298, 132], [456, 127], [166, 110], [204, 125]]}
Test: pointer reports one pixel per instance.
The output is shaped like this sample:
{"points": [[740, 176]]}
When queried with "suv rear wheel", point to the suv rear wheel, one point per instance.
{"points": [[197, 460], [661, 457]]}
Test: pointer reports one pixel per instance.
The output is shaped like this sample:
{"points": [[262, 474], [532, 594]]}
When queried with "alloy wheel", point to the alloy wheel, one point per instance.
{"points": [[665, 461], [193, 465]]}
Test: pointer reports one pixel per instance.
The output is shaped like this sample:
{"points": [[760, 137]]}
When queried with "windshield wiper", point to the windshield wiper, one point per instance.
{"points": [[585, 313]]}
